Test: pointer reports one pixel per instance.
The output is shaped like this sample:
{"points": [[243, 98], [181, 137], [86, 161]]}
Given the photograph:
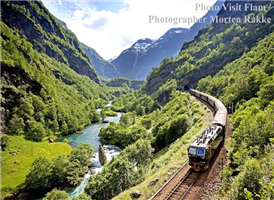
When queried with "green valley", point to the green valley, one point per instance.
{"points": [[51, 94]]}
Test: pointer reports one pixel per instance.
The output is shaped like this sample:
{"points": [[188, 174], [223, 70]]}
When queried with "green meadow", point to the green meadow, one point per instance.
{"points": [[18, 157]]}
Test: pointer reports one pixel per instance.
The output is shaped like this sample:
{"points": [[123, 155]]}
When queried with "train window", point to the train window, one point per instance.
{"points": [[200, 152], [192, 151]]}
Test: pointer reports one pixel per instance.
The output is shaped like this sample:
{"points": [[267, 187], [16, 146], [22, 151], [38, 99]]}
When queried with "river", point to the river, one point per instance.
{"points": [[90, 134]]}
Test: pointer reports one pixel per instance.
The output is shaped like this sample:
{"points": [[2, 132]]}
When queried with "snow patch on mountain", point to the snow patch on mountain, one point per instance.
{"points": [[112, 59]]}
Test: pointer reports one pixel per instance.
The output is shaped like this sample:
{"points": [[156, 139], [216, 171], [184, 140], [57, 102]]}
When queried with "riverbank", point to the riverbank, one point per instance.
{"points": [[90, 134], [21, 153]]}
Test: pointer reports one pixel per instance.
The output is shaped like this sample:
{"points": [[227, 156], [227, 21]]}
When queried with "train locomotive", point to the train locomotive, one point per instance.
{"points": [[202, 149]]}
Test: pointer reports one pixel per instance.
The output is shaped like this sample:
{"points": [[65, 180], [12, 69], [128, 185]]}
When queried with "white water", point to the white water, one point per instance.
{"points": [[91, 134], [111, 152]]}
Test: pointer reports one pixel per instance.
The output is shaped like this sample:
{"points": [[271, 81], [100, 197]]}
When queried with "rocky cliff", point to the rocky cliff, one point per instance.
{"points": [[38, 26], [103, 67]]}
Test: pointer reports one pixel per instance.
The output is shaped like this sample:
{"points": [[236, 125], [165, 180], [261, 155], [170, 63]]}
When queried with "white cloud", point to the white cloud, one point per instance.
{"points": [[110, 33], [78, 14]]}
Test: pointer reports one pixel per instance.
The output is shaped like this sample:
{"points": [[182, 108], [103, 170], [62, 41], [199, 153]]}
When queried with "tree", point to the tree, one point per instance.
{"points": [[59, 170], [266, 92], [248, 178], [82, 196], [64, 128], [79, 160], [26, 109], [146, 122], [36, 131], [103, 114], [56, 195], [73, 124], [82, 153], [39, 177], [127, 119], [75, 172], [139, 153], [4, 142], [16, 125], [54, 126]]}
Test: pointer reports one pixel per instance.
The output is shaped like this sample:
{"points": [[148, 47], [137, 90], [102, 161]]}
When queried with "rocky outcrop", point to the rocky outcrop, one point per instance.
{"points": [[153, 182], [135, 194], [102, 155]]}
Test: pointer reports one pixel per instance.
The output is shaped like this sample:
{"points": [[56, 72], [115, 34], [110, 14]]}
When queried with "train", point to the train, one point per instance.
{"points": [[204, 146]]}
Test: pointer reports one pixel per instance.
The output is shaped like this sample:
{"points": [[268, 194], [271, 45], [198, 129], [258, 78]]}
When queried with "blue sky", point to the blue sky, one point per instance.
{"points": [[110, 26]]}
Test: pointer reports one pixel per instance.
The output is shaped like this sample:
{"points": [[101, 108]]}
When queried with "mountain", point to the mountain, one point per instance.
{"points": [[103, 67], [235, 63], [137, 61], [211, 49], [47, 36], [48, 85]]}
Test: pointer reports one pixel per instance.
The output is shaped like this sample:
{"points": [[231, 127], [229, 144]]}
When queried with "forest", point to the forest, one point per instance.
{"points": [[45, 94], [141, 138], [42, 95], [248, 84]]}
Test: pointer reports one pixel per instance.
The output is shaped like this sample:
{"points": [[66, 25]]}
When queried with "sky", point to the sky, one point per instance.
{"points": [[111, 26]]}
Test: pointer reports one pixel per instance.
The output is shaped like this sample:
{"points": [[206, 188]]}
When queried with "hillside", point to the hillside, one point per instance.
{"points": [[103, 67], [137, 61], [48, 89], [239, 59], [46, 35], [48, 84], [246, 86], [213, 47]]}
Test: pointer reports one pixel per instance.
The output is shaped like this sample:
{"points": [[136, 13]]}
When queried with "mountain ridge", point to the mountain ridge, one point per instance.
{"points": [[136, 63], [102, 66]]}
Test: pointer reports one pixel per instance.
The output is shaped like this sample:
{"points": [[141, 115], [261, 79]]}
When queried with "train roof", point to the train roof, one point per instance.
{"points": [[206, 137], [220, 117], [221, 111]]}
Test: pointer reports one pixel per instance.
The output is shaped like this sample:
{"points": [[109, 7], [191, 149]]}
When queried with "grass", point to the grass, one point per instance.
{"points": [[171, 157], [14, 168]]}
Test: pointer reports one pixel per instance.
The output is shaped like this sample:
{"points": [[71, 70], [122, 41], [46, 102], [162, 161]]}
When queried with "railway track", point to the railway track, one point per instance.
{"points": [[184, 186]]}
